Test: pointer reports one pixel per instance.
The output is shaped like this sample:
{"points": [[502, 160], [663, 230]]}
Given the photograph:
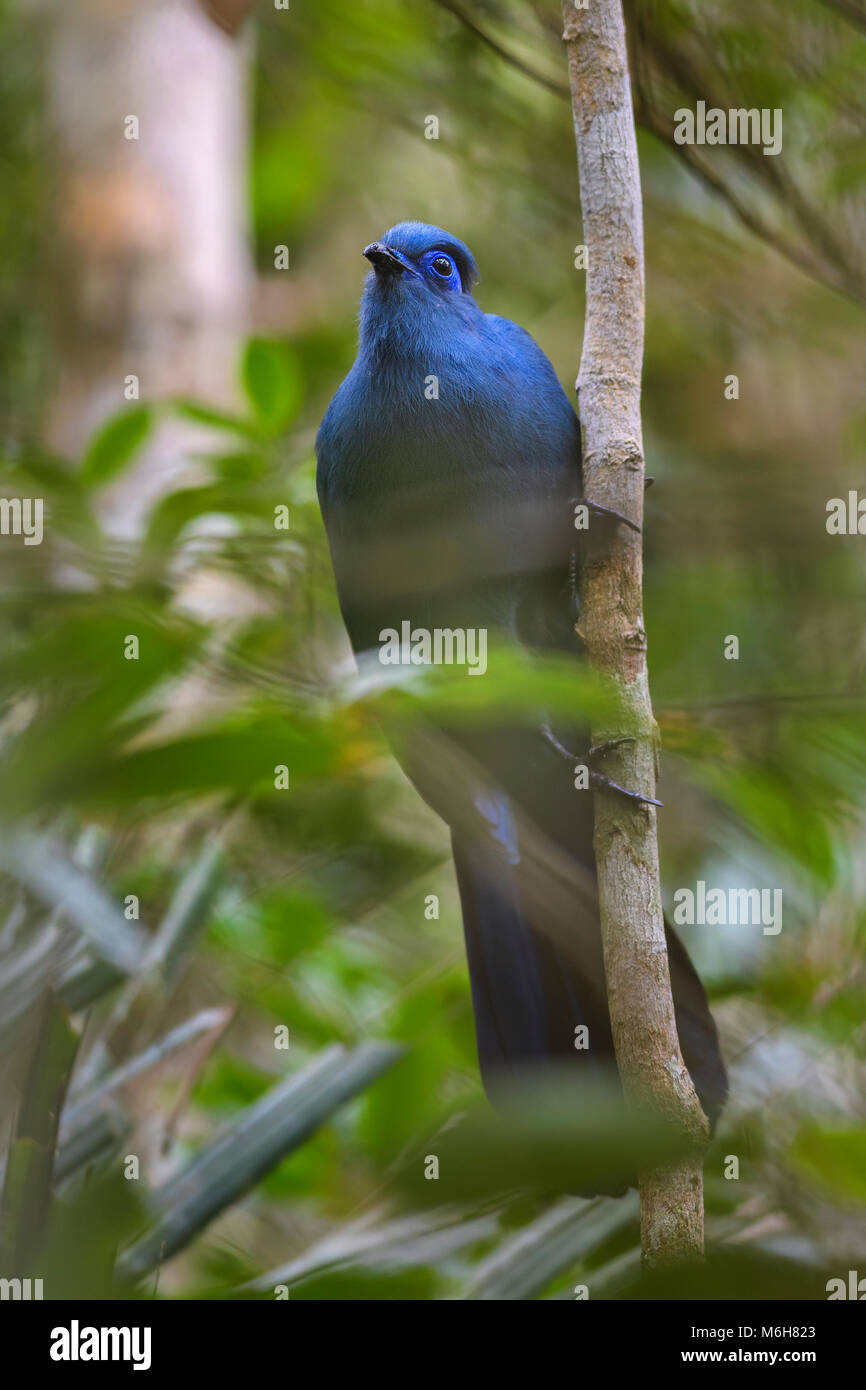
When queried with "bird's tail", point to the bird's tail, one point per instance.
{"points": [[533, 943], [523, 851]]}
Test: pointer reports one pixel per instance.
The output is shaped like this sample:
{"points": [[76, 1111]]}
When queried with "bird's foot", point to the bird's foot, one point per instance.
{"points": [[597, 780], [606, 513], [596, 508], [558, 747], [598, 750], [600, 783]]}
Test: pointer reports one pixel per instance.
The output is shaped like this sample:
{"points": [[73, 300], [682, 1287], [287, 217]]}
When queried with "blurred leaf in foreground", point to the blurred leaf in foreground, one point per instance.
{"points": [[834, 1158], [548, 1135], [115, 444], [272, 382]]}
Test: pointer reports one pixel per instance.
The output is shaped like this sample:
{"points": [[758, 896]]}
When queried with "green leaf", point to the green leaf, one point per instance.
{"points": [[265, 1132], [741, 1273], [835, 1158], [240, 756], [114, 445], [555, 1136], [177, 510], [569, 1231], [217, 419], [98, 1136], [558, 685], [40, 864], [25, 1203], [409, 1241], [189, 908], [85, 1108], [272, 382]]}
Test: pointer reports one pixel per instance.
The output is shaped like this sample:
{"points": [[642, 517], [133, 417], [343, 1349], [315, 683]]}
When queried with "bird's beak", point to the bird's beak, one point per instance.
{"points": [[385, 259]]}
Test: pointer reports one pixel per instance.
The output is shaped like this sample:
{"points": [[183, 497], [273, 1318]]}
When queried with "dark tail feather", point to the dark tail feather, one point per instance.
{"points": [[525, 869], [699, 1039], [537, 974]]}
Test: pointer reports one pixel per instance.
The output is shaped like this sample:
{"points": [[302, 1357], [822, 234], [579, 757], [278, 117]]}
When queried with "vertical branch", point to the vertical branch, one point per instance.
{"points": [[611, 623]]}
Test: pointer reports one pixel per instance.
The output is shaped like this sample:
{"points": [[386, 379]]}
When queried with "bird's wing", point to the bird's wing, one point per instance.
{"points": [[545, 437]]}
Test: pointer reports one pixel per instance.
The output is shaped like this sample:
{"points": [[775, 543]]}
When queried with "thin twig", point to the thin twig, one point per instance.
{"points": [[504, 53]]}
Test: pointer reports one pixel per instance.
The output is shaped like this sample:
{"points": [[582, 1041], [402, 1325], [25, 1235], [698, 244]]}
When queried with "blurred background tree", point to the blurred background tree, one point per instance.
{"points": [[169, 904]]}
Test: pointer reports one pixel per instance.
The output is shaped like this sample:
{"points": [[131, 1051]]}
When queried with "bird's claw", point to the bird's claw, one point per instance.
{"points": [[596, 509], [558, 747], [600, 783], [598, 750], [597, 780]]}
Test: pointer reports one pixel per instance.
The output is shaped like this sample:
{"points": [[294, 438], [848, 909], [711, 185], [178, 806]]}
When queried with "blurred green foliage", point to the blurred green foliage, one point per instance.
{"points": [[318, 923]]}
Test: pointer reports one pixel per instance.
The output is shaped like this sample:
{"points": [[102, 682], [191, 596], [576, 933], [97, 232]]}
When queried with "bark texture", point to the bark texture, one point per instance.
{"points": [[611, 622]]}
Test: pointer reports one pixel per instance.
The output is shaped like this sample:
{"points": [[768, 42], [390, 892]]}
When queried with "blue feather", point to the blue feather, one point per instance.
{"points": [[447, 464]]}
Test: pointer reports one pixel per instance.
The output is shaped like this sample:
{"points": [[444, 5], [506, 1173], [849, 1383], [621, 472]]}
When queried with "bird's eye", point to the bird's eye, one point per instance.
{"points": [[443, 266]]}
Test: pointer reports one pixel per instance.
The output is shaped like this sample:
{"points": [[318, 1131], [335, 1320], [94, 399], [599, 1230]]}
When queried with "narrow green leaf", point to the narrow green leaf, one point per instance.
{"points": [[188, 910], [264, 1134], [27, 1182], [115, 444], [39, 863], [565, 1234], [400, 1244], [216, 419], [102, 1132], [83, 1108]]}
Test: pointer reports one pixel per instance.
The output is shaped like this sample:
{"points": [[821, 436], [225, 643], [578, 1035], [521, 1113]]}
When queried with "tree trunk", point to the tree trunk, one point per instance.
{"points": [[153, 275], [611, 621]]}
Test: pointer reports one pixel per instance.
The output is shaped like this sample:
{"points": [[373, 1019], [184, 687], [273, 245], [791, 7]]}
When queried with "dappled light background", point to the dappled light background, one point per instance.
{"points": [[253, 981]]}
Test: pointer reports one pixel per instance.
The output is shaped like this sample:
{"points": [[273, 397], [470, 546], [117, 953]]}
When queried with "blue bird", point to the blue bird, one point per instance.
{"points": [[448, 463]]}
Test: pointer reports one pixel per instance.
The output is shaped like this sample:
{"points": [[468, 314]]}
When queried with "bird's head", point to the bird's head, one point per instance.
{"points": [[413, 254], [418, 272]]}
